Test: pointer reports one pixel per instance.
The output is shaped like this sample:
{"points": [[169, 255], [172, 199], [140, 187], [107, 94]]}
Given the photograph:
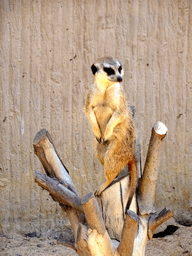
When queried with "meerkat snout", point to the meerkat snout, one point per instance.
{"points": [[119, 79]]}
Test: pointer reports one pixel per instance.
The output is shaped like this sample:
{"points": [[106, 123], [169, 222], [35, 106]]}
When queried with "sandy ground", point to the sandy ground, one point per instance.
{"points": [[12, 244]]}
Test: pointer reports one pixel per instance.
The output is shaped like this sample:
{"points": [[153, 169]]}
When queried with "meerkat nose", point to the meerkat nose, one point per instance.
{"points": [[119, 79]]}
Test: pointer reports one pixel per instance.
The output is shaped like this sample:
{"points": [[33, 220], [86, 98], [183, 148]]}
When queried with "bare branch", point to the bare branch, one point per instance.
{"points": [[81, 243], [72, 215], [99, 241], [116, 195], [146, 195], [46, 152], [128, 234], [157, 219], [60, 192], [90, 206]]}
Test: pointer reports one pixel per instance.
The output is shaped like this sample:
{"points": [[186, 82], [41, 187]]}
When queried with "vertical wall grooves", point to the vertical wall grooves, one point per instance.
{"points": [[46, 50]]}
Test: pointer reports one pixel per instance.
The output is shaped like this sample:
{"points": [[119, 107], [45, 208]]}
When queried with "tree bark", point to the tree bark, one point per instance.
{"points": [[90, 206], [128, 234], [116, 195], [99, 241]]}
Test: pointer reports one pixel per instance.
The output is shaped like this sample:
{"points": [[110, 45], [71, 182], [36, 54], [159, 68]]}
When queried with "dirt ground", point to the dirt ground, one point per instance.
{"points": [[12, 244]]}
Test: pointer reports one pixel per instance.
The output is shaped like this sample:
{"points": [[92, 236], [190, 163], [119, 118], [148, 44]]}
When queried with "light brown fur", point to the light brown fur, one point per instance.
{"points": [[114, 129]]}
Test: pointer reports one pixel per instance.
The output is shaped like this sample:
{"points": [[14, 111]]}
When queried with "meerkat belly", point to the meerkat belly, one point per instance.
{"points": [[103, 114]]}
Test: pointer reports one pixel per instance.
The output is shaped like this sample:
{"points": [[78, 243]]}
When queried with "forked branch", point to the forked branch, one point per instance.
{"points": [[93, 219]]}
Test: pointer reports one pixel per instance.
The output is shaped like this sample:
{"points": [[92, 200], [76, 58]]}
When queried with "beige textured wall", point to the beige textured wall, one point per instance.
{"points": [[46, 50]]}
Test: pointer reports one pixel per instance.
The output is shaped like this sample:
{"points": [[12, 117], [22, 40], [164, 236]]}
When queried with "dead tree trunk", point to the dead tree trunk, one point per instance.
{"points": [[93, 234]]}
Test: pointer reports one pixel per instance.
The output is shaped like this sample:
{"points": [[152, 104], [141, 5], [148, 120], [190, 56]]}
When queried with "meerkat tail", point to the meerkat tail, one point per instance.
{"points": [[132, 181]]}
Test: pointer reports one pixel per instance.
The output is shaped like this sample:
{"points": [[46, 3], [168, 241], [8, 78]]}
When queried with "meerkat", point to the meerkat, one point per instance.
{"points": [[112, 123]]}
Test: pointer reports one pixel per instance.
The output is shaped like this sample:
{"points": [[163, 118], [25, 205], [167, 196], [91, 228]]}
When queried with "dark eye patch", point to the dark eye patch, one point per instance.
{"points": [[94, 69], [109, 71], [120, 69]]}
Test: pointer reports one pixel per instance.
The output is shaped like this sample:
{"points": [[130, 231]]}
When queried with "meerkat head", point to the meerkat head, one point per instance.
{"points": [[107, 71]]}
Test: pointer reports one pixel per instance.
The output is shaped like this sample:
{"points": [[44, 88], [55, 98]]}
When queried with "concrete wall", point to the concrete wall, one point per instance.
{"points": [[46, 50]]}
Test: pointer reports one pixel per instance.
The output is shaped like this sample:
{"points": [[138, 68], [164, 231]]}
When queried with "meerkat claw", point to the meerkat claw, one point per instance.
{"points": [[105, 142], [99, 140], [97, 192]]}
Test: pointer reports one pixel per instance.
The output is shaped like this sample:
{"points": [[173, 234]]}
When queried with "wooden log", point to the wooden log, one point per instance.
{"points": [[93, 213], [61, 187], [146, 194], [157, 219], [62, 194], [46, 152], [72, 215], [116, 195], [81, 243], [99, 242], [147, 227], [128, 234], [141, 239]]}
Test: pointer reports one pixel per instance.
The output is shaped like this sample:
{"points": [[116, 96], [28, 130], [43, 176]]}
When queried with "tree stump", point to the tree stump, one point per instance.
{"points": [[100, 224]]}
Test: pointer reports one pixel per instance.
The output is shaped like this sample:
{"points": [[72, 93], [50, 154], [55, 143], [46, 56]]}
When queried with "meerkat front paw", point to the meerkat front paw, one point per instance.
{"points": [[106, 137], [102, 141], [101, 189], [105, 142], [97, 134], [97, 192], [108, 134]]}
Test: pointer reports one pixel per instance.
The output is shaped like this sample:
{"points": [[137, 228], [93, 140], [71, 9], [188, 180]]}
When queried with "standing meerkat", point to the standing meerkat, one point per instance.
{"points": [[112, 123]]}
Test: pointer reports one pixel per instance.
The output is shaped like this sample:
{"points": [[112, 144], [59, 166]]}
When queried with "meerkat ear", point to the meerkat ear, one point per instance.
{"points": [[94, 69]]}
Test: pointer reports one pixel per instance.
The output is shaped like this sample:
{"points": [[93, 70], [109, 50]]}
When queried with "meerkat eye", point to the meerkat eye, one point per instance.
{"points": [[120, 69], [109, 71]]}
